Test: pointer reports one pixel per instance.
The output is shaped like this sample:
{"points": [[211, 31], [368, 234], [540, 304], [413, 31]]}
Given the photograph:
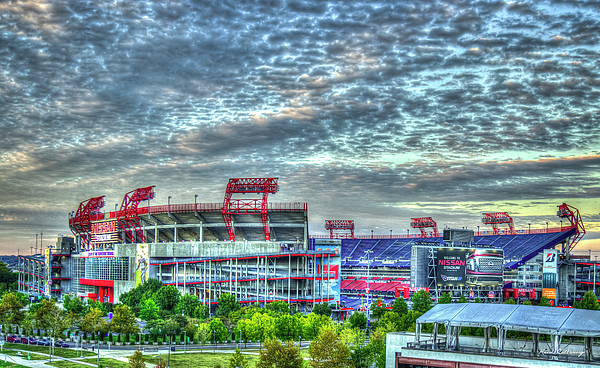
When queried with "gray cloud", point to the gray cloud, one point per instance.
{"points": [[460, 101]]}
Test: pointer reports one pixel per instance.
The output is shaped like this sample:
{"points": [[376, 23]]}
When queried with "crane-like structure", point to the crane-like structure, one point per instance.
{"points": [[258, 186], [572, 214], [340, 229], [498, 218], [127, 216], [81, 223], [424, 223]]}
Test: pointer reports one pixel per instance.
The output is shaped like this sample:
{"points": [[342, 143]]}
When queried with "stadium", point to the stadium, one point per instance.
{"points": [[263, 251]]}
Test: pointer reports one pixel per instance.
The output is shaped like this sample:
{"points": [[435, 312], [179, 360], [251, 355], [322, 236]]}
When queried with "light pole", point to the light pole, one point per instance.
{"points": [[546, 227], [595, 260], [116, 204], [390, 233], [184, 341], [477, 230], [367, 252], [169, 202], [195, 204], [214, 341], [560, 225], [529, 228], [140, 341], [371, 234], [408, 233]]}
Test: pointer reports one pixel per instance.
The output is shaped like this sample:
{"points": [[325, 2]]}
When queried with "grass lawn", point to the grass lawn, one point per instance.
{"points": [[10, 365], [106, 362], [61, 352], [200, 360], [34, 356]]}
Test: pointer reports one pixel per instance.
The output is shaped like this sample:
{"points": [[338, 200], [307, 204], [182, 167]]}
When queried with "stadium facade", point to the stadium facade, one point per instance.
{"points": [[262, 251]]}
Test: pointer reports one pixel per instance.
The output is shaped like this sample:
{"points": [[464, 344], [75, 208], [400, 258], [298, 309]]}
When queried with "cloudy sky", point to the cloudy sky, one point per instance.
{"points": [[374, 111]]}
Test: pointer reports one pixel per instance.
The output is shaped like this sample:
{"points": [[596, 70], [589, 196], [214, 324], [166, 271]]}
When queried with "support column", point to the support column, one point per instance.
{"points": [[257, 277], [289, 276], [183, 278], [176, 274]]}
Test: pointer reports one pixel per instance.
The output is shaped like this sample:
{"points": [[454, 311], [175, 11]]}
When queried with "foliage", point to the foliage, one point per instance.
{"points": [[10, 310], [203, 333], [527, 302], [391, 321], [322, 309], [377, 348], [137, 360], [378, 311], [409, 320], [218, 329], [52, 319], [462, 299], [421, 301], [93, 322], [237, 360], [170, 327], [74, 305], [167, 297], [280, 355], [226, 304], [328, 351], [510, 301], [8, 279], [361, 356], [589, 301], [260, 327], [313, 323], [358, 320], [201, 311], [400, 306], [148, 310], [288, 327], [446, 298], [281, 307], [544, 302], [187, 305], [136, 296], [478, 300], [352, 337], [123, 321]]}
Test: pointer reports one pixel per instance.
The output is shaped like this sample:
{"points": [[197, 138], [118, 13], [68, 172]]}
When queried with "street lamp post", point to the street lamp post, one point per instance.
{"points": [[184, 341], [477, 230], [371, 234], [169, 204], [195, 204], [529, 228], [140, 341], [546, 227], [408, 233], [390, 233], [560, 225], [367, 252]]}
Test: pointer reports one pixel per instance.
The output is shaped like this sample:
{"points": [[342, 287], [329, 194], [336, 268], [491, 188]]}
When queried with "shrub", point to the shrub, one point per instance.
{"points": [[159, 340]]}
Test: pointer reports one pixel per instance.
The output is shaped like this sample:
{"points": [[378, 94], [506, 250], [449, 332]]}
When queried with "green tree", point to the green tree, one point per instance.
{"points": [[377, 348], [260, 327], [527, 302], [74, 305], [358, 319], [378, 311], [477, 300], [10, 310], [136, 296], [217, 329], [187, 304], [544, 302], [421, 301], [400, 306], [203, 334], [589, 301], [328, 351], [170, 327], [8, 279], [287, 327], [201, 311], [409, 320], [279, 307], [92, 322], [280, 355], [226, 304], [237, 360], [462, 299], [52, 319], [149, 310], [510, 301], [313, 323], [123, 321], [445, 298], [391, 321], [323, 309], [167, 297], [137, 360]]}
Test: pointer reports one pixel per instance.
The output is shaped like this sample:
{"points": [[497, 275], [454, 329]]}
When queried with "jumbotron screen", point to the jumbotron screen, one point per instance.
{"points": [[469, 267]]}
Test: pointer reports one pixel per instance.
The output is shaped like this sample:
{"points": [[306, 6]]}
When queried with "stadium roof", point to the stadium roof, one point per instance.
{"points": [[526, 318]]}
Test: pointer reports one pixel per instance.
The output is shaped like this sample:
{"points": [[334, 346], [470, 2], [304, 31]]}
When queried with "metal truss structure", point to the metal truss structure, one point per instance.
{"points": [[423, 223], [231, 206], [498, 218], [128, 213], [340, 229], [81, 223], [572, 214]]}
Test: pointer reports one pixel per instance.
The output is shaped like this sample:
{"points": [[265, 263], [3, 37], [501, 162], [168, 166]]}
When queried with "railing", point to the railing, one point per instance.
{"points": [[199, 207], [477, 233]]}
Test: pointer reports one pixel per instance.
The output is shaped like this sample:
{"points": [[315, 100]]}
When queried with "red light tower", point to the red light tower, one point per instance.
{"points": [[82, 222], [572, 214], [340, 229], [128, 213], [497, 218], [232, 207], [422, 223]]}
